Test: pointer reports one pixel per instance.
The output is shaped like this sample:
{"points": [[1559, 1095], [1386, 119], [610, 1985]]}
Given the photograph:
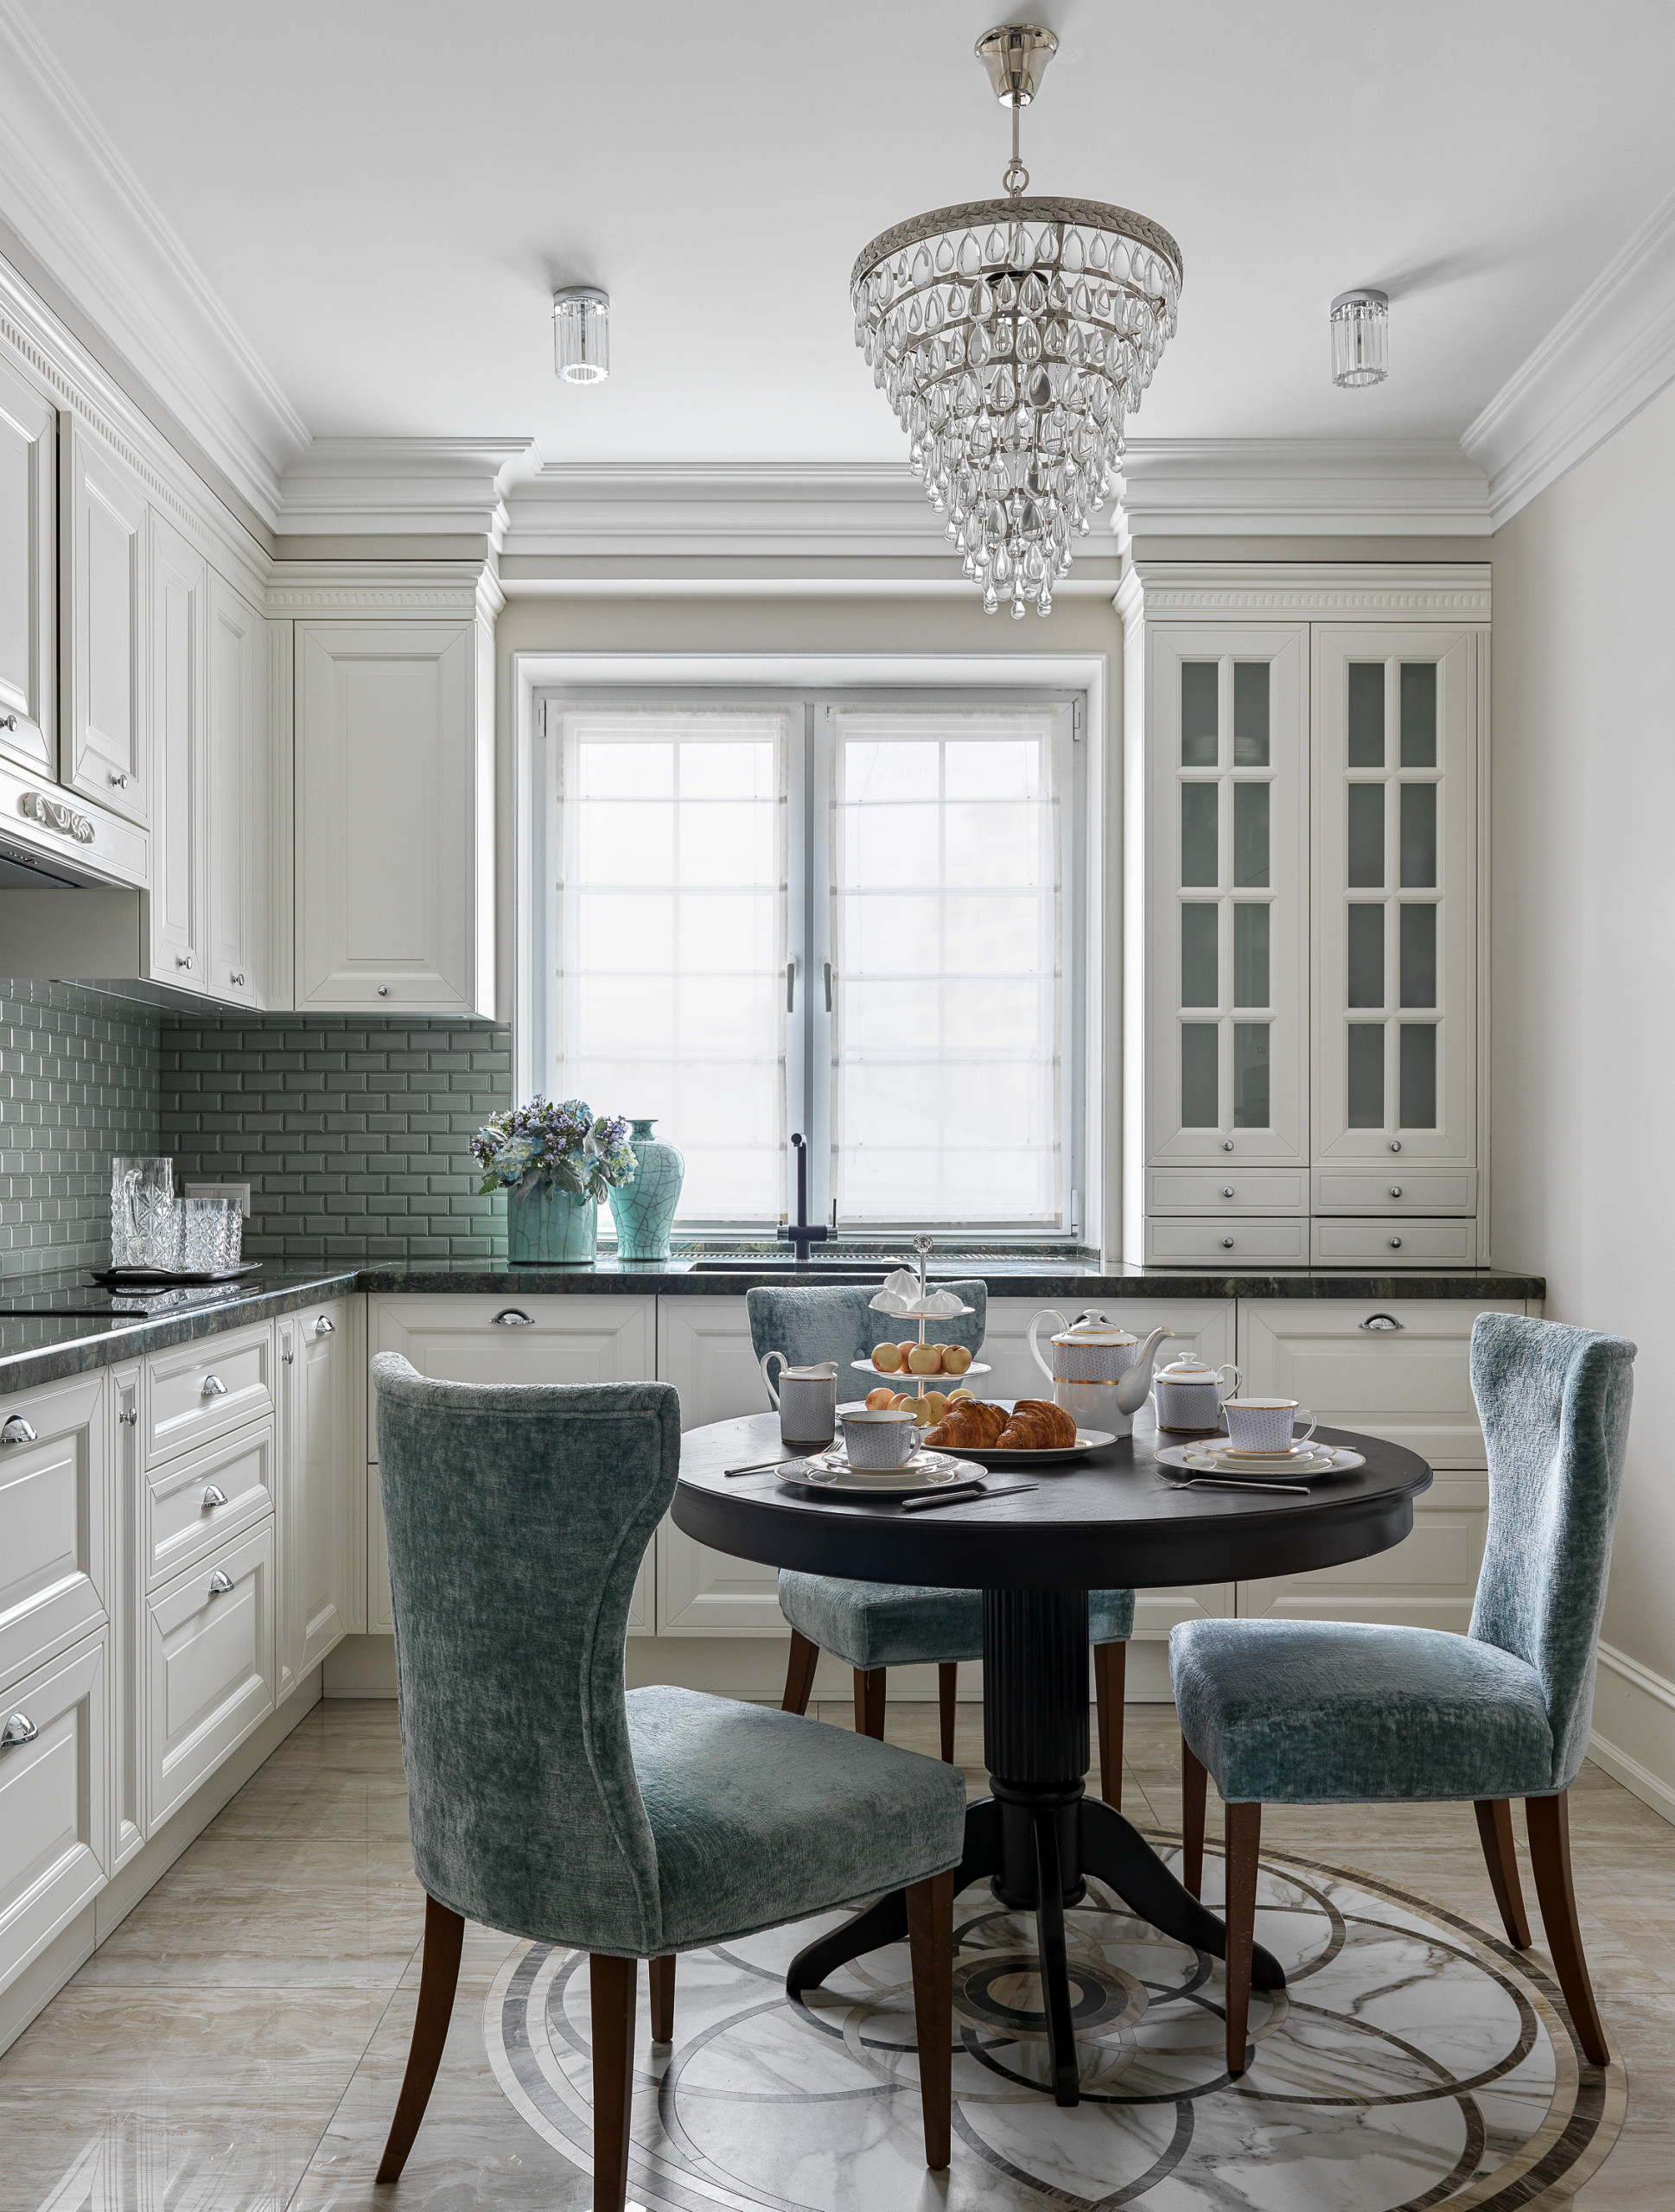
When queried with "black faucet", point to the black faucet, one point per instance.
{"points": [[801, 1235]]}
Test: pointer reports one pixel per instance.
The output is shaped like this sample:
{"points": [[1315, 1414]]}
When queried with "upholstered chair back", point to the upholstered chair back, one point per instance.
{"points": [[827, 1323], [517, 1515], [1554, 1403]]}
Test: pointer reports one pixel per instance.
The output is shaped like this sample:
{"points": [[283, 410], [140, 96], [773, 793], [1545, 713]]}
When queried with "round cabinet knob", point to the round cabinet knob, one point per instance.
{"points": [[384, 990], [220, 1583], [1226, 1244], [17, 1431], [131, 1418], [215, 1495], [1395, 1190], [1395, 1243], [118, 781], [1227, 1189], [513, 1317], [1395, 1144], [239, 981], [182, 959], [289, 1358], [325, 1327], [214, 1387], [7, 722], [1226, 1144], [19, 1729]]}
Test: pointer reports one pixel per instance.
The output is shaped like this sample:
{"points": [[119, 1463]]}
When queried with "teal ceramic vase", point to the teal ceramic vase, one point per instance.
{"points": [[644, 1206], [551, 1228]]}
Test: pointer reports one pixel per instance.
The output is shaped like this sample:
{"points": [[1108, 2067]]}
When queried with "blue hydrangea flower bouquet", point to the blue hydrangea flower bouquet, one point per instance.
{"points": [[556, 1162]]}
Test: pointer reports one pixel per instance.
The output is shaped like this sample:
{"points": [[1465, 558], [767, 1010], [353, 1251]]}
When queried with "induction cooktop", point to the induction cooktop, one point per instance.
{"points": [[77, 1296]]}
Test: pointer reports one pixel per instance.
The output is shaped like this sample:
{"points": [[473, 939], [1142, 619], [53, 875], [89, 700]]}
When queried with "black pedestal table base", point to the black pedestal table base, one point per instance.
{"points": [[1039, 1836]]}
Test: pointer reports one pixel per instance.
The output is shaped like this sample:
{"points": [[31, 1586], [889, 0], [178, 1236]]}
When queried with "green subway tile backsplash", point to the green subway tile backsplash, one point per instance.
{"points": [[79, 1082]]}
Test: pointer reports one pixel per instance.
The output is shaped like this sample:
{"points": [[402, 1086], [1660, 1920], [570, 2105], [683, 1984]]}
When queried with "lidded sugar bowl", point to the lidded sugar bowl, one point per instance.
{"points": [[1188, 1394]]}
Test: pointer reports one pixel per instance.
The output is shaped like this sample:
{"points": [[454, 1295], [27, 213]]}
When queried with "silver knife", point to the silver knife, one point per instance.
{"points": [[961, 1496]]}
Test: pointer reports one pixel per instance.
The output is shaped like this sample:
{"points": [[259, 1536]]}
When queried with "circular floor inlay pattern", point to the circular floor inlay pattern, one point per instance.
{"points": [[1411, 2062]]}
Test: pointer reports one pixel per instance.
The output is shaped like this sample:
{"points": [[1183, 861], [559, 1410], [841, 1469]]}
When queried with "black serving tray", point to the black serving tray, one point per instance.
{"points": [[159, 1277]]}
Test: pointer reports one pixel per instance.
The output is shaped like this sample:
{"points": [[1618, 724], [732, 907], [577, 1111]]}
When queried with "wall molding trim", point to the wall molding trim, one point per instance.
{"points": [[344, 488], [1303, 487], [1600, 363], [78, 208], [370, 587], [1400, 591], [1633, 1737]]}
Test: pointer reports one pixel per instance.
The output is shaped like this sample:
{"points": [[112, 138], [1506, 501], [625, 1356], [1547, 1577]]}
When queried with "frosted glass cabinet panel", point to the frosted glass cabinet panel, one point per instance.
{"points": [[1396, 712], [1227, 806]]}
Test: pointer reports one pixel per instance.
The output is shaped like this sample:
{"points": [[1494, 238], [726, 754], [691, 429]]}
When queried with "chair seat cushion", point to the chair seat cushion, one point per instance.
{"points": [[1331, 1713], [759, 1817], [870, 1624]]}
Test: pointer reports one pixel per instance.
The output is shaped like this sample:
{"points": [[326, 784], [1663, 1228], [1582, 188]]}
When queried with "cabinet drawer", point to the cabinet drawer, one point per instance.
{"points": [[1216, 1190], [1395, 1243], [53, 1510], [506, 1337], [199, 1391], [183, 1523], [1424, 1190], [1396, 1368], [53, 1842], [208, 1666], [1282, 1243]]}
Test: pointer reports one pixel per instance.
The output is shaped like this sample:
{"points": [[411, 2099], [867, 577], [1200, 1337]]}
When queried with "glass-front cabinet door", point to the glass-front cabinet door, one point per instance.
{"points": [[1227, 804], [1396, 713]]}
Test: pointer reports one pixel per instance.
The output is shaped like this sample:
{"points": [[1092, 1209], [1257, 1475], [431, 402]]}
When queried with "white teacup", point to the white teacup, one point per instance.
{"points": [[1265, 1424], [877, 1441], [807, 1398]]}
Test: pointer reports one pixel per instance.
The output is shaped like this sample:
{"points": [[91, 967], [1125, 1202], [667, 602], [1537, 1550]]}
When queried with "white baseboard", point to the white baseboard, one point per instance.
{"points": [[1633, 1737]]}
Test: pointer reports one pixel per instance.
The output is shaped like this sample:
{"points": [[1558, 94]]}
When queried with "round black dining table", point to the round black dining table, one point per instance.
{"points": [[1116, 1519]]}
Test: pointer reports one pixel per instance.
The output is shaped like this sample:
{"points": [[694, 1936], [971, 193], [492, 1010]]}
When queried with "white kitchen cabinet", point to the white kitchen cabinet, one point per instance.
{"points": [[395, 827], [1428, 1581], [208, 1666], [236, 799], [197, 1391], [319, 1463], [703, 1348], [179, 594], [54, 1823], [104, 739], [1396, 825], [511, 1338], [125, 1602], [55, 1551], [28, 580]]}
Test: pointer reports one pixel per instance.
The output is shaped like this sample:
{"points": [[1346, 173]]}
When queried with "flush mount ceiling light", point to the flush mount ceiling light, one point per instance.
{"points": [[581, 334], [1360, 337], [1012, 338]]}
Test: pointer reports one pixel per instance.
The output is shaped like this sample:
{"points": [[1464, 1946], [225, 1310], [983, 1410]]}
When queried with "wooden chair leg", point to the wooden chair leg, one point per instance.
{"points": [[931, 1938], [1549, 1820], [663, 1998], [869, 1701], [439, 1974], [1110, 1683], [611, 1986], [1195, 1793], [947, 1686], [1243, 1834], [1494, 1829], [799, 1674]]}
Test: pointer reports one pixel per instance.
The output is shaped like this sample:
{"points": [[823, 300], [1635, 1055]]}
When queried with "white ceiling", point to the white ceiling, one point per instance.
{"points": [[383, 193]]}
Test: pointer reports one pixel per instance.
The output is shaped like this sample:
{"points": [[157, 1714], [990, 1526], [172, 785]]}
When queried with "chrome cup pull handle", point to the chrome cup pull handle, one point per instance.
{"points": [[214, 1387], [325, 1327], [513, 1317], [19, 1729], [17, 1431], [220, 1583], [1382, 1322], [214, 1494]]}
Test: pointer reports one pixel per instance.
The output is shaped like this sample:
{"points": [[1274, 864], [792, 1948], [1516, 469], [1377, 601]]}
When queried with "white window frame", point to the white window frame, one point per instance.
{"points": [[1091, 845]]}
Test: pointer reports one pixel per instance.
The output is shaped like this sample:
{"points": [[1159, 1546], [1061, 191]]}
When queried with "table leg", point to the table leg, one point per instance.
{"points": [[886, 1922], [1117, 1854]]}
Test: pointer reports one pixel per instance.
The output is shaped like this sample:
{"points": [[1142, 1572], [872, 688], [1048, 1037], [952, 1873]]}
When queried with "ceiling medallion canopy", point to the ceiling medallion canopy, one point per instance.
{"points": [[1014, 338]]}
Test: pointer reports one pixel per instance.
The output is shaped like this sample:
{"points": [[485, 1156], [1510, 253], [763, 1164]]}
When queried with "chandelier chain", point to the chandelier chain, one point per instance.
{"points": [[1015, 177]]}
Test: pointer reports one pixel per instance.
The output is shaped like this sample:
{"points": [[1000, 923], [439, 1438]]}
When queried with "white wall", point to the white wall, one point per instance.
{"points": [[1583, 989]]}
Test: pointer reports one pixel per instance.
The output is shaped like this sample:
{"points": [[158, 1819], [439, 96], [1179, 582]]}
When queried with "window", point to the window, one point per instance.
{"points": [[843, 915]]}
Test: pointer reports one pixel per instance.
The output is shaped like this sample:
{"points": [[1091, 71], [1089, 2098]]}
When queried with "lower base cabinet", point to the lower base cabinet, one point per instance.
{"points": [[209, 1675], [703, 1348], [54, 1848], [321, 1572]]}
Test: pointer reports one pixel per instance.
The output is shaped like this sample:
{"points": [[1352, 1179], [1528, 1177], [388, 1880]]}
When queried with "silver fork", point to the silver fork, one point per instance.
{"points": [[1218, 1482]]}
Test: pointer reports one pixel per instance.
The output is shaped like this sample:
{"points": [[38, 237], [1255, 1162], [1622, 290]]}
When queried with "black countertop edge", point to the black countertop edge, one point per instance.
{"points": [[48, 1349]]}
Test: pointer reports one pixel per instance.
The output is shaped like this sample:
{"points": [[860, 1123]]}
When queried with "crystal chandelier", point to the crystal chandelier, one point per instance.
{"points": [[1012, 338]]}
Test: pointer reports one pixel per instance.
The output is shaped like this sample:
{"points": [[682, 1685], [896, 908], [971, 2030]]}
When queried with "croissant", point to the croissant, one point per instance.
{"points": [[966, 1425], [1037, 1424]]}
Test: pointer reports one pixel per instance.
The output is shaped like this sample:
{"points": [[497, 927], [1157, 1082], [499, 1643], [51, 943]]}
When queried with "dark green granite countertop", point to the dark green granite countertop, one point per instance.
{"points": [[36, 1350]]}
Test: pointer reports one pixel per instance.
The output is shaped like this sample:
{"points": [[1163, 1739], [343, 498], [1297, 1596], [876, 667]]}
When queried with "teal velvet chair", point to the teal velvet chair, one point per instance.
{"points": [[1326, 1712], [548, 1802], [873, 1626]]}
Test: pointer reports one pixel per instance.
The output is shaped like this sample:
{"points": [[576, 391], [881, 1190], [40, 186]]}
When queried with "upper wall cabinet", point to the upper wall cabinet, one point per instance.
{"points": [[28, 510], [236, 798], [394, 817], [1395, 876], [1228, 1067], [179, 591], [103, 749]]}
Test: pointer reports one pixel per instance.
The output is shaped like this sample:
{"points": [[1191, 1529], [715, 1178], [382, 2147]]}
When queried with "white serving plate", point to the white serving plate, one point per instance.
{"points": [[881, 1376], [1087, 1440], [925, 1470], [1196, 1459]]}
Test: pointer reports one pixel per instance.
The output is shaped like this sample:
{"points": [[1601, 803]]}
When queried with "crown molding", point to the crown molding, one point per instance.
{"points": [[1598, 364], [1385, 591], [1302, 487], [80, 209], [372, 487], [406, 587]]}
